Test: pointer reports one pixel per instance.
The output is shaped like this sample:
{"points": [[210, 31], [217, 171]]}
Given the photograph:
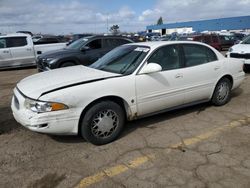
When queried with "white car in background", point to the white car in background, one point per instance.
{"points": [[131, 81], [18, 50], [241, 51]]}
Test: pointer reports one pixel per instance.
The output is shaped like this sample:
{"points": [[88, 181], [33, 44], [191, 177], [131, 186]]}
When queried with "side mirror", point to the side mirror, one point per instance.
{"points": [[85, 48], [151, 68]]}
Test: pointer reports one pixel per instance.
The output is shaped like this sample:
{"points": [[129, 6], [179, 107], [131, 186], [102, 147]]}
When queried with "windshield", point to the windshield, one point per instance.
{"points": [[78, 43], [122, 60], [246, 40]]}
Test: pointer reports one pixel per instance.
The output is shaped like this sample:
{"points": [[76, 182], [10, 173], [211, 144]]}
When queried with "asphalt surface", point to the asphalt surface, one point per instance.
{"points": [[199, 146]]}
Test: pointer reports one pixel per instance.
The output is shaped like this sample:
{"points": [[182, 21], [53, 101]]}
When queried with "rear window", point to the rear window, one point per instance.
{"points": [[197, 55]]}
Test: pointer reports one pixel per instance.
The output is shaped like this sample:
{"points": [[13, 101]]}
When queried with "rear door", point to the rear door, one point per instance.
{"points": [[22, 53], [202, 69], [5, 54]]}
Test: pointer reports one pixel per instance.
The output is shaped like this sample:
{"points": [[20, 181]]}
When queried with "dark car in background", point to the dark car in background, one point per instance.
{"points": [[84, 51], [219, 42], [75, 37], [47, 40]]}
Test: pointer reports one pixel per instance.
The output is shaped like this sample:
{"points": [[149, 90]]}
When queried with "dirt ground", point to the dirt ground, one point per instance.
{"points": [[199, 146]]}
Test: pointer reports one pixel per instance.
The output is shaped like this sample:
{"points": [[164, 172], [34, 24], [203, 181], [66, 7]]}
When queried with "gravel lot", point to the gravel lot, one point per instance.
{"points": [[199, 146]]}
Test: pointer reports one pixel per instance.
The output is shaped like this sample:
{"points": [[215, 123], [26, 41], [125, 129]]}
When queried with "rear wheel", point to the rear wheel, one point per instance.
{"points": [[102, 123], [67, 64], [222, 92]]}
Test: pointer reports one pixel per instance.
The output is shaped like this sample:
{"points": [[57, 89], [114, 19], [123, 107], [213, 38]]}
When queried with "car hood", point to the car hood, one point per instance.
{"points": [[241, 48], [60, 53], [39, 84]]}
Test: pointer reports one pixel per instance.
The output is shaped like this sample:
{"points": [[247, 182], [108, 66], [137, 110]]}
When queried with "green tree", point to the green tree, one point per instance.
{"points": [[114, 29], [160, 21]]}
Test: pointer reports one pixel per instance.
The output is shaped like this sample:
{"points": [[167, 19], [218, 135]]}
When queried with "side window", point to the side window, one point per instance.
{"points": [[207, 39], [168, 57], [215, 39], [16, 42], [197, 55], [95, 44], [109, 43], [123, 41], [3, 43]]}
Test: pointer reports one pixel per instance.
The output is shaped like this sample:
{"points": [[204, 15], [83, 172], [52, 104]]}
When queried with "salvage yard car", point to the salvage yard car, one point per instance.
{"points": [[84, 51], [241, 51], [18, 50], [131, 81]]}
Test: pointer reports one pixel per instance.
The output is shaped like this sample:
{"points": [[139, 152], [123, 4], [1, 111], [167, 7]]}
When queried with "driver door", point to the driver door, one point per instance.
{"points": [[161, 90]]}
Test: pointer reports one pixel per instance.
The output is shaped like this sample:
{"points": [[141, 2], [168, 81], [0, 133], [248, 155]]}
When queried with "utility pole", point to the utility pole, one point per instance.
{"points": [[107, 23]]}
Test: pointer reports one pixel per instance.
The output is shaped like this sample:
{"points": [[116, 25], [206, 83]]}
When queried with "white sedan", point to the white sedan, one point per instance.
{"points": [[241, 51], [131, 81]]}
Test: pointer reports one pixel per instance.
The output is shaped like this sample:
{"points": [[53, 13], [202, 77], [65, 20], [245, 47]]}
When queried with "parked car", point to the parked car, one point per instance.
{"points": [[47, 40], [219, 42], [131, 81], [84, 51], [241, 51], [18, 50], [78, 36], [26, 32]]}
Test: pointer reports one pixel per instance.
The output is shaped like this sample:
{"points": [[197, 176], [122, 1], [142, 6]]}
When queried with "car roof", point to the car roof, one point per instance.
{"points": [[107, 36], [15, 35], [156, 44]]}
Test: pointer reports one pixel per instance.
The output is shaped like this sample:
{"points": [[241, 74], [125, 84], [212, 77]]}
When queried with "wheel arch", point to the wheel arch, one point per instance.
{"points": [[71, 60], [228, 76], [120, 101]]}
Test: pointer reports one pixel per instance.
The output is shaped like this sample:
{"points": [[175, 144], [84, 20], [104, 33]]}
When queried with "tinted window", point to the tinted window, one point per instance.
{"points": [[197, 55], [215, 39], [16, 42], [207, 39], [114, 42], [3, 43], [110, 43], [95, 44], [167, 56], [123, 41]]}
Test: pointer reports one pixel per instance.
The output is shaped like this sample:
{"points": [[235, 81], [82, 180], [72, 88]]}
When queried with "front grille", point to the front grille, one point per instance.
{"points": [[16, 102], [242, 56]]}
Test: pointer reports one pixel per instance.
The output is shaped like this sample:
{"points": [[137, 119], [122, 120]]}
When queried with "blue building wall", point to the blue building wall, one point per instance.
{"points": [[233, 23]]}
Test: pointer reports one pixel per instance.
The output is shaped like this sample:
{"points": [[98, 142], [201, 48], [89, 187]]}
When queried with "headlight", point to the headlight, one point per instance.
{"points": [[41, 106], [230, 49]]}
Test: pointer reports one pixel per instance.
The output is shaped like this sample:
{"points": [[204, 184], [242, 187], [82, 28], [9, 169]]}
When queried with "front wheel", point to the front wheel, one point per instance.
{"points": [[102, 123], [222, 92]]}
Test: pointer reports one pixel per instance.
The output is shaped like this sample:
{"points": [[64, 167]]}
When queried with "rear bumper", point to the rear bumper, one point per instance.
{"points": [[64, 122]]}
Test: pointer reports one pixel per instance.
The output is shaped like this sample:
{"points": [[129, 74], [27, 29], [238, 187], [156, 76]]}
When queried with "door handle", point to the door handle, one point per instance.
{"points": [[6, 51], [217, 67], [28, 49], [179, 75]]}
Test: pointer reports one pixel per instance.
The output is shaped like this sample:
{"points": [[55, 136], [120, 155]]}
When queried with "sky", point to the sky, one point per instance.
{"points": [[97, 16]]}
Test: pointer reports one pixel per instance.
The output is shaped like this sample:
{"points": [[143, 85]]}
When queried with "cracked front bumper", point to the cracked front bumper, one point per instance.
{"points": [[64, 122]]}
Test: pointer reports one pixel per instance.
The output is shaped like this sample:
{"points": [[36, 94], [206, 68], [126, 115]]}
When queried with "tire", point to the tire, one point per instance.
{"points": [[222, 92], [96, 125], [246, 68], [67, 64]]}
